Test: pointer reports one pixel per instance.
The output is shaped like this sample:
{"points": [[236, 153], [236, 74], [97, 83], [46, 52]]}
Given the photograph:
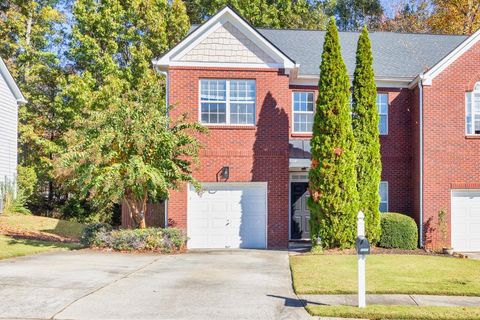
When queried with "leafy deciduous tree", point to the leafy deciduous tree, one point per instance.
{"points": [[333, 184], [28, 31], [411, 16], [455, 16], [131, 152], [352, 14], [301, 14], [365, 129]]}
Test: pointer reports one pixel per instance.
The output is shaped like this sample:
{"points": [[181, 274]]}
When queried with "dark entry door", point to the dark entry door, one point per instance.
{"points": [[300, 227]]}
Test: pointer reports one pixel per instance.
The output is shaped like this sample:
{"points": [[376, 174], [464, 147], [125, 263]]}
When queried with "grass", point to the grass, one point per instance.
{"points": [[63, 228], [397, 312], [10, 247], [388, 274]]}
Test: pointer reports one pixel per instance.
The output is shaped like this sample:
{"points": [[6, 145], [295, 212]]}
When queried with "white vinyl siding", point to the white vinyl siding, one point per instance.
{"points": [[227, 101], [382, 105], [303, 112], [8, 133], [383, 192], [472, 111]]}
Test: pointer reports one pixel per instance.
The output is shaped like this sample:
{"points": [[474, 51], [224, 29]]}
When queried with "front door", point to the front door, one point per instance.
{"points": [[300, 222]]}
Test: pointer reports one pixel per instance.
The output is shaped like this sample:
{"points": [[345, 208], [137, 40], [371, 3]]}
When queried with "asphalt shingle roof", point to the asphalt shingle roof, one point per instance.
{"points": [[394, 54]]}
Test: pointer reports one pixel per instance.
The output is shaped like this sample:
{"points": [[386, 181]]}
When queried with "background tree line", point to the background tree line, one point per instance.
{"points": [[74, 60]]}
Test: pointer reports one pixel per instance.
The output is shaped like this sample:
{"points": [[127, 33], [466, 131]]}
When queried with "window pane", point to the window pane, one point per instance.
{"points": [[242, 90], [212, 90], [213, 112], [383, 193], [383, 207], [302, 111], [383, 125], [468, 112], [242, 113]]}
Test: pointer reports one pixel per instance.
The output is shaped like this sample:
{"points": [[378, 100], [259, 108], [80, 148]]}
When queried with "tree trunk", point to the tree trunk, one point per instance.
{"points": [[137, 208]]}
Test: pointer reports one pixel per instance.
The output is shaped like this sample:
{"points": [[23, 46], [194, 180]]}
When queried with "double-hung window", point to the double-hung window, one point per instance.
{"points": [[302, 112], [383, 192], [472, 121], [382, 105], [227, 101]]}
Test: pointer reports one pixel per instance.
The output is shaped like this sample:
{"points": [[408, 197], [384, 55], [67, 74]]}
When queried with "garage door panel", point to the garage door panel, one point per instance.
{"points": [[236, 215], [466, 220]]}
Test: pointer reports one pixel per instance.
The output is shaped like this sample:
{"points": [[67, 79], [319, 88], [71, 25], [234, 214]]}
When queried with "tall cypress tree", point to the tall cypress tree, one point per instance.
{"points": [[365, 128], [333, 183]]}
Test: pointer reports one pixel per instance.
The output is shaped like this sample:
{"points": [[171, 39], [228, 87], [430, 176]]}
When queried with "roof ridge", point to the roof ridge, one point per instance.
{"points": [[371, 32]]}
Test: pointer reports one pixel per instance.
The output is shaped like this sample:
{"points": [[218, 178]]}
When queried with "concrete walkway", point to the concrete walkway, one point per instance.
{"points": [[215, 285], [392, 299]]}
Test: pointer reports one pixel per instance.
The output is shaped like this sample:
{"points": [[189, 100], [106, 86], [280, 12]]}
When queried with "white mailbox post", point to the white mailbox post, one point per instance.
{"points": [[361, 261]]}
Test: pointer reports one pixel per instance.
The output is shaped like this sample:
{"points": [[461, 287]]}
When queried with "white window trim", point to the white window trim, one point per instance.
{"points": [[227, 102], [476, 90], [301, 112], [385, 183], [386, 114]]}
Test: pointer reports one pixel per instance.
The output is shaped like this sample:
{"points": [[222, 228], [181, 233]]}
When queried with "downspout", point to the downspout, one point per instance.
{"points": [[167, 89], [420, 110]]}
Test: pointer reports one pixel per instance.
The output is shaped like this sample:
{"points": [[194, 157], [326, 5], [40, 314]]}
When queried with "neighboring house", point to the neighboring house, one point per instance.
{"points": [[255, 89], [10, 99]]}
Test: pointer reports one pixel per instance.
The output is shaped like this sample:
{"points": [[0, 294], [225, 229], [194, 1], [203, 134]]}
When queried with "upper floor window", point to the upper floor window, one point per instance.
{"points": [[472, 121], [383, 192], [227, 101], [382, 105], [302, 112]]}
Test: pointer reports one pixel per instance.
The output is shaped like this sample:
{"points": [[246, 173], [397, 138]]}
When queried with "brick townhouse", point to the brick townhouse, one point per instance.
{"points": [[255, 90]]}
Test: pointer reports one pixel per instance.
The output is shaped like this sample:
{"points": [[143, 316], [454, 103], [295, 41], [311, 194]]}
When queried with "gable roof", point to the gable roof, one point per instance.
{"points": [[400, 59], [395, 55], [221, 18], [11, 83]]}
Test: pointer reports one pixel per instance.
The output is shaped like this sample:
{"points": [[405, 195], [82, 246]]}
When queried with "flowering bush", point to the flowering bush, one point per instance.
{"points": [[151, 239]]}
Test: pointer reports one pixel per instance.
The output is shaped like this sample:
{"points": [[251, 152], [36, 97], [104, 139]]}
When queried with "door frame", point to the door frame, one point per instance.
{"points": [[233, 184], [291, 179]]}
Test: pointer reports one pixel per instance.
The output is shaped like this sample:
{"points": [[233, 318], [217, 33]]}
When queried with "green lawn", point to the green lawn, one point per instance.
{"points": [[10, 247], [402, 274], [397, 312], [60, 227]]}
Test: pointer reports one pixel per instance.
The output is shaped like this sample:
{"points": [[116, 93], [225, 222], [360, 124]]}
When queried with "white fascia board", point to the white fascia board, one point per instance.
{"points": [[199, 34], [380, 82], [450, 58], [11, 83]]}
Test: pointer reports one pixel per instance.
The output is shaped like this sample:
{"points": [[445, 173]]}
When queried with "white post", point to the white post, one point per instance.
{"points": [[361, 263]]}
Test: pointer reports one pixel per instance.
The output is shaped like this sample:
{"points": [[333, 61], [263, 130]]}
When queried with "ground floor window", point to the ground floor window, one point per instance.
{"points": [[383, 192]]}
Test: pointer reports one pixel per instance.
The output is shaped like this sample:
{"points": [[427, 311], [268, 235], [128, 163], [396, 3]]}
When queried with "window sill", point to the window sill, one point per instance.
{"points": [[472, 136], [229, 127], [301, 135]]}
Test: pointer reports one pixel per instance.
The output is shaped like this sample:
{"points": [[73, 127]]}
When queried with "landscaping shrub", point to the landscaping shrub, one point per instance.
{"points": [[398, 231], [150, 239], [92, 233]]}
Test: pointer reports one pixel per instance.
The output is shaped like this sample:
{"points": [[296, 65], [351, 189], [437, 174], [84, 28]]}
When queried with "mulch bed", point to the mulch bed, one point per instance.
{"points": [[18, 233], [378, 250]]}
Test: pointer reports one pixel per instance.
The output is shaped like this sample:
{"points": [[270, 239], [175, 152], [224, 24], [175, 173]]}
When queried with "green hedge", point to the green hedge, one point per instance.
{"points": [[398, 231], [150, 239]]}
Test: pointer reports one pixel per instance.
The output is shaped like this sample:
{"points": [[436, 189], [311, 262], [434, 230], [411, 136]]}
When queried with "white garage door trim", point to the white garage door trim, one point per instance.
{"points": [[456, 229], [212, 185]]}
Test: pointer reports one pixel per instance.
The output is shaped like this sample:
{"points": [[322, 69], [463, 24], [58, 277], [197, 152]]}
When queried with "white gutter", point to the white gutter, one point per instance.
{"points": [[420, 110], [167, 89]]}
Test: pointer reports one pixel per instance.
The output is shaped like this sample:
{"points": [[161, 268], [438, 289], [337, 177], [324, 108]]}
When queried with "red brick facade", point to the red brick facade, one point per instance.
{"points": [[260, 153], [257, 153], [450, 158]]}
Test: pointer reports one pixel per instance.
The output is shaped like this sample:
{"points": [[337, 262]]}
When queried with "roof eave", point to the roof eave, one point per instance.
{"points": [[11, 84]]}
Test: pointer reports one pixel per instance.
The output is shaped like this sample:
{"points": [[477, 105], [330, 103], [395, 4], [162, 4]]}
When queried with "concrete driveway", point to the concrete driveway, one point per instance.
{"points": [[236, 284]]}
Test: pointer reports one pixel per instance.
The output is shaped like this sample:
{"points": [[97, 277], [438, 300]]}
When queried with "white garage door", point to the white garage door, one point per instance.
{"points": [[227, 215], [466, 220]]}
